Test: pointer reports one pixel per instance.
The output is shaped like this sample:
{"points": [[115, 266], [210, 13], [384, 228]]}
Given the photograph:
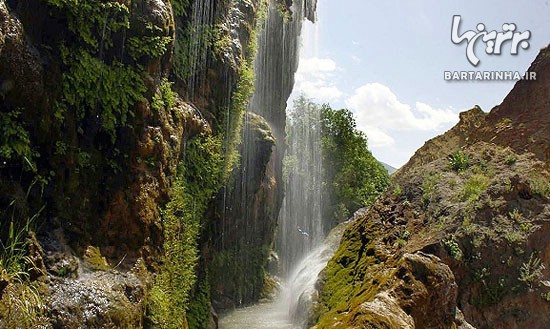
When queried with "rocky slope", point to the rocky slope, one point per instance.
{"points": [[460, 241]]}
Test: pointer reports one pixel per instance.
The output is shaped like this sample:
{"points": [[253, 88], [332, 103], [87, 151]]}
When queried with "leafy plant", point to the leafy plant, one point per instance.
{"points": [[164, 98], [510, 159], [531, 270], [14, 140], [154, 44], [475, 186], [515, 214], [453, 248], [459, 161], [93, 88], [539, 185], [180, 7], [94, 21]]}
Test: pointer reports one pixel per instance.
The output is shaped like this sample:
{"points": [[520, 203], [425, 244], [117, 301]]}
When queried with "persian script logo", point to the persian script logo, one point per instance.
{"points": [[493, 40]]}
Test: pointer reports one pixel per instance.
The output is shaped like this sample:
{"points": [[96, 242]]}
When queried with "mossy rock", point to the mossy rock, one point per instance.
{"points": [[94, 260]]}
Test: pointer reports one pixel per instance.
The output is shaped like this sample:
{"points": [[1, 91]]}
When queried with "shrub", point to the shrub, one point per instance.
{"points": [[164, 98], [510, 159], [539, 185], [453, 248], [94, 88], [14, 139], [475, 187], [531, 271], [459, 161]]}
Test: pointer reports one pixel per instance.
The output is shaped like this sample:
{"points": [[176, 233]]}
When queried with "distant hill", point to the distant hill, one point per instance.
{"points": [[389, 168]]}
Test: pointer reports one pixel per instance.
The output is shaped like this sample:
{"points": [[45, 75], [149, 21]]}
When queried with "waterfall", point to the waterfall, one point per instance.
{"points": [[191, 47], [300, 220], [252, 203], [299, 292], [292, 309]]}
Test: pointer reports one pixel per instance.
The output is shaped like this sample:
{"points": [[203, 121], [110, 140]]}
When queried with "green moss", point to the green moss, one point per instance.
{"points": [[350, 277], [198, 316], [197, 180], [239, 103], [95, 260]]}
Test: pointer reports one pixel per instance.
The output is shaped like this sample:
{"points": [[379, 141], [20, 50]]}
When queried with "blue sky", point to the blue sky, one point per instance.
{"points": [[384, 60]]}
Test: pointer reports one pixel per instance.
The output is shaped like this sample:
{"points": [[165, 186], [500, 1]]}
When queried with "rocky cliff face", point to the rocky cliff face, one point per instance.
{"points": [[247, 208], [105, 106], [459, 242]]}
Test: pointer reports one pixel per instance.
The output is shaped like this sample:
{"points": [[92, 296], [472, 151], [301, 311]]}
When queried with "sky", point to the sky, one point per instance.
{"points": [[385, 60]]}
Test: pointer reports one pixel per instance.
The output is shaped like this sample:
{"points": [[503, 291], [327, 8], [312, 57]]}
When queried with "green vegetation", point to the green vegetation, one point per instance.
{"points": [[198, 316], [475, 186], [459, 161], [429, 186], [93, 88], [239, 102], [352, 177], [20, 303], [453, 248], [180, 7], [511, 159], [531, 271], [197, 181], [14, 140], [94, 21], [355, 176], [153, 44], [164, 98], [540, 185]]}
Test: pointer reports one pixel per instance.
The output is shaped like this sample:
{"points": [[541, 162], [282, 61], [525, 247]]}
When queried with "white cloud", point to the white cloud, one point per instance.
{"points": [[316, 65], [380, 114], [314, 79], [377, 137], [356, 59]]}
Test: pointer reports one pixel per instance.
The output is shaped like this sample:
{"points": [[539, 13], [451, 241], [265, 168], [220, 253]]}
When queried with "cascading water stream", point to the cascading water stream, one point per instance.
{"points": [[300, 231]]}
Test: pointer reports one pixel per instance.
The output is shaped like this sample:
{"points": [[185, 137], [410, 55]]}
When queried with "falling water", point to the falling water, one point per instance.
{"points": [[192, 45], [291, 310], [300, 230], [300, 221]]}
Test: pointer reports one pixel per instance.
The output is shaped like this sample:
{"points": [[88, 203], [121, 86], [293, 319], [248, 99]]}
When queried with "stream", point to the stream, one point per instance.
{"points": [[272, 315], [291, 308]]}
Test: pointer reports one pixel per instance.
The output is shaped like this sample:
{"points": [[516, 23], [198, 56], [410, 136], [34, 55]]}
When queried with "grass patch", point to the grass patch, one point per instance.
{"points": [[475, 186]]}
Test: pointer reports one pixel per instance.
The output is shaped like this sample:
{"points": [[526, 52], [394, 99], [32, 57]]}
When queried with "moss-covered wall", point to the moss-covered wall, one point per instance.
{"points": [[122, 122]]}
